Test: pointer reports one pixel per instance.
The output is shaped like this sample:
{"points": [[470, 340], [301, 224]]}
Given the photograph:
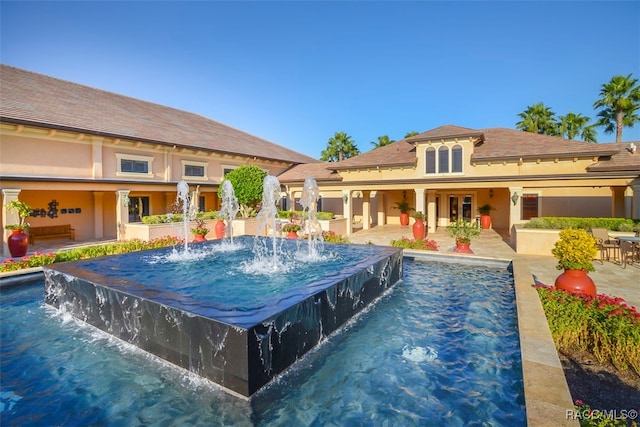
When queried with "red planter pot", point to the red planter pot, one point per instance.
{"points": [[418, 229], [18, 243], [292, 235], [199, 238], [576, 282], [219, 229], [485, 221], [404, 219], [463, 248]]}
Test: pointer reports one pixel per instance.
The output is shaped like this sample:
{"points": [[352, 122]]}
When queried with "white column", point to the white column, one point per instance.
{"points": [[635, 202], [366, 210], [431, 211], [420, 205], [515, 205], [8, 217], [347, 209], [122, 212], [98, 214]]}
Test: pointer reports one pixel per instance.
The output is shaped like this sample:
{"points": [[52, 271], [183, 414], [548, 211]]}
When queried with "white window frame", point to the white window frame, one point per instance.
{"points": [[449, 147], [204, 165], [123, 156]]}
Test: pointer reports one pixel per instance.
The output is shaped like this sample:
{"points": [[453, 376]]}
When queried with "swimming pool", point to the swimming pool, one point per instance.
{"points": [[441, 349]]}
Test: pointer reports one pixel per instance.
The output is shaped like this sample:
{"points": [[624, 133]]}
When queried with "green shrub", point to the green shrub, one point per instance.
{"points": [[87, 252], [560, 223], [604, 326], [420, 244], [304, 215]]}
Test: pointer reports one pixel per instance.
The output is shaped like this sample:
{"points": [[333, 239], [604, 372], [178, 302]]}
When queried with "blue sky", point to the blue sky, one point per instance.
{"points": [[296, 72]]}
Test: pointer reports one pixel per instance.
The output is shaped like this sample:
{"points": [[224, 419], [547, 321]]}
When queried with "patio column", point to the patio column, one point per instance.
{"points": [[382, 207], [366, 210], [98, 214], [122, 212], [8, 217], [515, 206], [420, 206], [431, 211], [618, 202], [347, 209], [635, 201]]}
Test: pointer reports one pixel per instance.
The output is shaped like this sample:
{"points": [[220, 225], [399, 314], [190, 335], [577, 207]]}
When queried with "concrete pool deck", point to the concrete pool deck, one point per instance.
{"points": [[547, 398]]}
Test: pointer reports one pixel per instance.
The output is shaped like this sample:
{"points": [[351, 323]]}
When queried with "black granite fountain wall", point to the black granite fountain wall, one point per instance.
{"points": [[240, 350]]}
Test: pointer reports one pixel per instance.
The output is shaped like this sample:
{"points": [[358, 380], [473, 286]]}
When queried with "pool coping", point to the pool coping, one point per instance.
{"points": [[548, 401]]}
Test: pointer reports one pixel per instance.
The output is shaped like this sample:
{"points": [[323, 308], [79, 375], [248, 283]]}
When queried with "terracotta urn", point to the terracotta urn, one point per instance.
{"points": [[418, 229], [463, 248], [576, 282], [219, 229], [18, 243]]}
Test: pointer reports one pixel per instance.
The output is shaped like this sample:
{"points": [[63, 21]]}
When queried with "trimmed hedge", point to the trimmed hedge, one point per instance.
{"points": [[562, 222], [164, 218]]}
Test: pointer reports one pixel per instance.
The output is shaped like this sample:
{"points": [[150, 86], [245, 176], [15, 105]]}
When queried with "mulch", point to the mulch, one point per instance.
{"points": [[600, 385]]}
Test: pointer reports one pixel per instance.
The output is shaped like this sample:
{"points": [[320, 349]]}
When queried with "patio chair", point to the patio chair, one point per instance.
{"points": [[627, 253], [606, 244]]}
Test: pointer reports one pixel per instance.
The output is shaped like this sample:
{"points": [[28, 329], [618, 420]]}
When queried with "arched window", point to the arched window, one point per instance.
{"points": [[430, 160], [456, 158], [443, 159]]}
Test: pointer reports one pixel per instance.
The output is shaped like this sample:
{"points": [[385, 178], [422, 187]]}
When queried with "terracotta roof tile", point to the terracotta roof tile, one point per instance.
{"points": [[31, 98], [623, 160], [319, 171]]}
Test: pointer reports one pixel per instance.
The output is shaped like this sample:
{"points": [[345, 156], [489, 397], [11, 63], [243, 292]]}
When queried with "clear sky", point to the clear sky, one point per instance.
{"points": [[296, 72]]}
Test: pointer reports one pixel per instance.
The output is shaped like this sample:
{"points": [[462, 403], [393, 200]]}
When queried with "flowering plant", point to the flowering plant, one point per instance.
{"points": [[575, 250], [602, 325], [23, 210], [200, 228], [287, 228], [420, 244], [463, 231]]}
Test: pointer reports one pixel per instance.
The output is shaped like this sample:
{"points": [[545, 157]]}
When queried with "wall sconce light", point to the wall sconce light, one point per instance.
{"points": [[125, 201], [491, 193], [345, 197], [514, 198]]}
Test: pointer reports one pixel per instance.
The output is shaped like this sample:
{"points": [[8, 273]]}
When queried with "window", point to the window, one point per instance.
{"points": [[443, 159], [197, 170], [430, 157], [456, 158], [132, 165], [530, 205], [192, 170]]}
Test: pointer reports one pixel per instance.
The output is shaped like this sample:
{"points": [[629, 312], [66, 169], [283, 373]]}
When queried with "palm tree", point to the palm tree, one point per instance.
{"points": [[382, 141], [410, 134], [339, 147], [620, 99], [572, 125], [538, 119]]}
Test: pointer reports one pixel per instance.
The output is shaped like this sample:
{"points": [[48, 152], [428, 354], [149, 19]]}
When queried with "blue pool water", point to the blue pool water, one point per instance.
{"points": [[231, 276], [440, 349]]}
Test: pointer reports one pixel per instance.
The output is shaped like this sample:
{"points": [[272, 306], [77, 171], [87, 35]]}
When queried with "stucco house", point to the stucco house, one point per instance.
{"points": [[99, 160], [450, 171]]}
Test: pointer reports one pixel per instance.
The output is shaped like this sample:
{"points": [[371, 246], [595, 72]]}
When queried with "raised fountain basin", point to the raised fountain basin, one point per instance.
{"points": [[241, 347]]}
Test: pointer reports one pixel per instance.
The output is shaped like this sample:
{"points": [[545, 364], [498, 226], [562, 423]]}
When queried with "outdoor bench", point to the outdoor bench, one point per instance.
{"points": [[51, 232]]}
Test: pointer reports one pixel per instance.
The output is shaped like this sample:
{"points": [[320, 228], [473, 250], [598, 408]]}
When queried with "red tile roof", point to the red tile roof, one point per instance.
{"points": [[493, 144], [31, 98]]}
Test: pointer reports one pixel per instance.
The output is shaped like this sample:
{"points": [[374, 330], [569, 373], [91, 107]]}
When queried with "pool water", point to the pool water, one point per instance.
{"points": [[440, 349]]}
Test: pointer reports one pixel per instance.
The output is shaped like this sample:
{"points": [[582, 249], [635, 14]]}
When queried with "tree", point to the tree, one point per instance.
{"points": [[247, 184], [618, 103], [572, 125], [382, 141], [339, 147], [538, 119], [410, 134]]}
